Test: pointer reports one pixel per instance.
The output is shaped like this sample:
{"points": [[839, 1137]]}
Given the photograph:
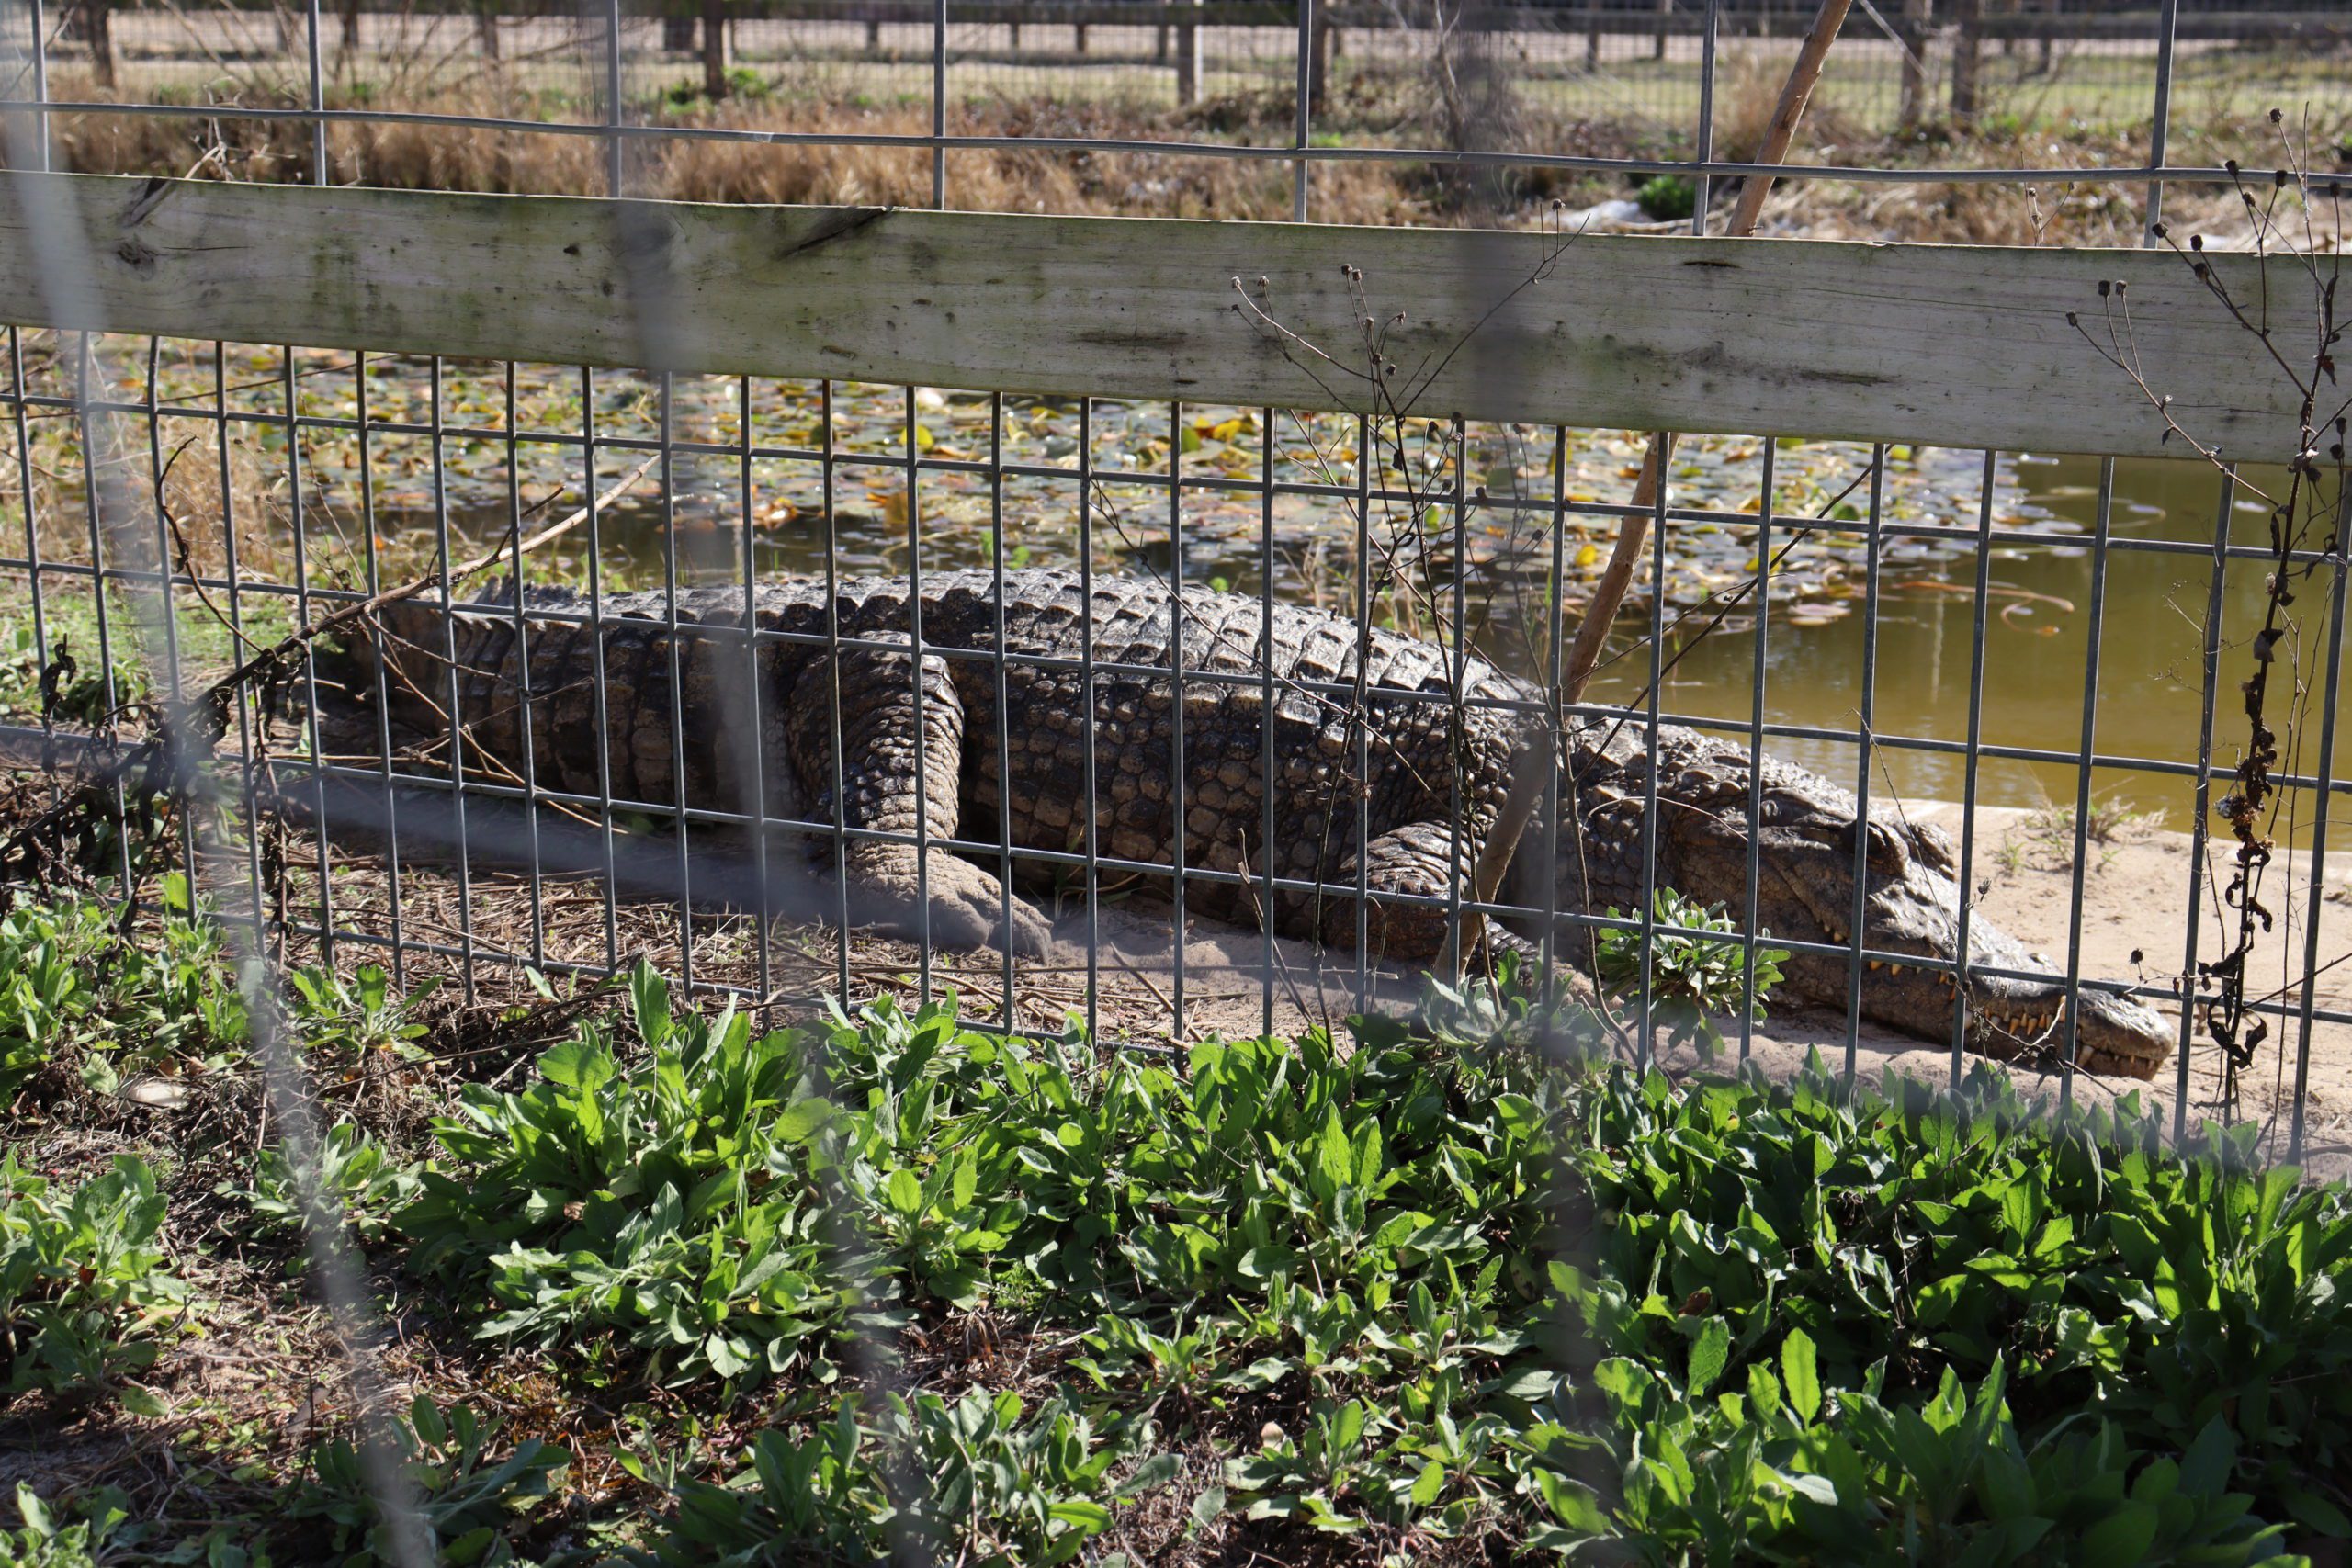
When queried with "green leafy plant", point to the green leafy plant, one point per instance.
{"points": [[79, 999], [358, 1177], [1692, 979], [465, 1501], [967, 1480], [358, 1015], [57, 683], [1667, 198], [41, 1541], [1458, 1284], [680, 1205], [82, 1284], [97, 1529]]}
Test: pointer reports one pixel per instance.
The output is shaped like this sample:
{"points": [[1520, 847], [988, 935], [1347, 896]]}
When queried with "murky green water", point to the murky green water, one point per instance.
{"points": [[2150, 663]]}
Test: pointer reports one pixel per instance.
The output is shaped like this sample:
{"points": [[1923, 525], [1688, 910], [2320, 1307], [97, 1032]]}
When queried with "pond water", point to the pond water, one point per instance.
{"points": [[2150, 668]]}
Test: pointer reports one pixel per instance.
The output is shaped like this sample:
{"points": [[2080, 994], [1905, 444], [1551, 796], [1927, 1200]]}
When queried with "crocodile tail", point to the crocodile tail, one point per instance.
{"points": [[413, 645]]}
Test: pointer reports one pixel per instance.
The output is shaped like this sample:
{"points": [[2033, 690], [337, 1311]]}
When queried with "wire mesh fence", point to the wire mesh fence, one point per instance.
{"points": [[493, 823], [1118, 710], [328, 476]]}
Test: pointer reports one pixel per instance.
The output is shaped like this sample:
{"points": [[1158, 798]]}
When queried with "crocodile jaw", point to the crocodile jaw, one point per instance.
{"points": [[1913, 907]]}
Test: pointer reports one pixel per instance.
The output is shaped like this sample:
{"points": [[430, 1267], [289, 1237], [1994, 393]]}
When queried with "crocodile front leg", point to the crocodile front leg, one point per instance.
{"points": [[1416, 860], [882, 734]]}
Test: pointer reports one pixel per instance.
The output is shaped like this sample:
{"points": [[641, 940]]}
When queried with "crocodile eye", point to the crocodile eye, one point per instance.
{"points": [[1888, 856], [1933, 848]]}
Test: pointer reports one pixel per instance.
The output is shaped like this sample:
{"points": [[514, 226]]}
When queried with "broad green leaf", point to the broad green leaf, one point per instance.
{"points": [[803, 1119], [1710, 1353], [578, 1064], [2124, 1536], [1335, 1156], [1801, 1375], [905, 1194]]}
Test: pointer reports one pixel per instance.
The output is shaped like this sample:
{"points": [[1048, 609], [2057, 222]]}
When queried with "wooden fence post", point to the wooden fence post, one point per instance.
{"points": [[486, 28], [1657, 41], [1012, 31], [1964, 60], [1318, 64], [714, 49], [1159, 45], [1187, 62], [1078, 37], [873, 34], [350, 27], [97, 28], [1912, 38]]}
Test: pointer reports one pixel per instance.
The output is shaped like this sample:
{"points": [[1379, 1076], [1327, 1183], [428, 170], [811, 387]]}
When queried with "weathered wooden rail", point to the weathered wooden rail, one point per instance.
{"points": [[1962, 346]]}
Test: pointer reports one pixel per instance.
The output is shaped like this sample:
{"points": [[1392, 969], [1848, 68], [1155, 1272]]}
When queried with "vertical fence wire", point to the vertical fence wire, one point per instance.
{"points": [[1972, 759], [39, 54], [598, 669], [527, 752], [1557, 808], [2160, 118], [1645, 1023], [248, 809], [320, 173], [1088, 702], [1760, 663], [462, 839], [2070, 1006], [1007, 1014], [1268, 901], [1178, 806], [167, 584], [1304, 114], [760, 806], [381, 683], [2189, 986], [916, 656], [2315, 895], [939, 103], [835, 714], [1865, 755]]}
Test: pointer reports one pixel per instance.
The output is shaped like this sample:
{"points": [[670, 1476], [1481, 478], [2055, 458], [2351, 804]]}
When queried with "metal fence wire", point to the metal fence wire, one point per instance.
{"points": [[591, 771]]}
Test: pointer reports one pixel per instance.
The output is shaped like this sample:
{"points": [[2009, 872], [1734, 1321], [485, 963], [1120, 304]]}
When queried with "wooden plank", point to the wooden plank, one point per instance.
{"points": [[1951, 345]]}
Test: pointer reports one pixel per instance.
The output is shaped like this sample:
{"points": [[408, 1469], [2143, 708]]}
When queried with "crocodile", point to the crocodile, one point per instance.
{"points": [[1377, 779]]}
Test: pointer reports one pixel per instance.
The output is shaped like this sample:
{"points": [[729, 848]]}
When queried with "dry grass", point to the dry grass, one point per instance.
{"points": [[1019, 179], [1457, 101]]}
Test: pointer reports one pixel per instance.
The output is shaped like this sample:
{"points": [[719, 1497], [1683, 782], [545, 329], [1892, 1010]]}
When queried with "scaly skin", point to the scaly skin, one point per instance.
{"points": [[1805, 860], [745, 740]]}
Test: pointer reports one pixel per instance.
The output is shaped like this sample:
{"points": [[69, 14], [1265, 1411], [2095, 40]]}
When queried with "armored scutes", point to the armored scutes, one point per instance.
{"points": [[1365, 742]]}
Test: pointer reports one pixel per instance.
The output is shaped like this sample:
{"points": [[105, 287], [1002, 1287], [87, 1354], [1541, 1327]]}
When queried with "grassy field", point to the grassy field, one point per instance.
{"points": [[2085, 105], [633, 1282]]}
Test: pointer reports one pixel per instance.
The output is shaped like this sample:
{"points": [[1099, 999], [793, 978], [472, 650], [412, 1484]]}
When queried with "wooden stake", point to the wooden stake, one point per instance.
{"points": [[1633, 532], [1530, 773]]}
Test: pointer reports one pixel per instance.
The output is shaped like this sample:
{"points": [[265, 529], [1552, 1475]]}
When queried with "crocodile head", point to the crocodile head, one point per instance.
{"points": [[1807, 853]]}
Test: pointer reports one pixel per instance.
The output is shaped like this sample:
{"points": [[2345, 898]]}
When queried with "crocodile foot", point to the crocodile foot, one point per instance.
{"points": [[968, 905]]}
